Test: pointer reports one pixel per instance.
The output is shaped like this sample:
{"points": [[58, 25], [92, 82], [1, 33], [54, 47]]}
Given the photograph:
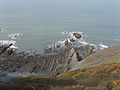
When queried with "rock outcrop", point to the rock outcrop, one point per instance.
{"points": [[62, 61]]}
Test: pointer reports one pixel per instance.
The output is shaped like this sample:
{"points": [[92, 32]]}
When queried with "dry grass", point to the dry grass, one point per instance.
{"points": [[114, 59], [106, 55], [116, 83], [101, 77]]}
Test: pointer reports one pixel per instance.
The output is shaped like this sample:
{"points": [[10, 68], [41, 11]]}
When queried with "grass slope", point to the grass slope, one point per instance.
{"points": [[99, 57], [101, 77]]}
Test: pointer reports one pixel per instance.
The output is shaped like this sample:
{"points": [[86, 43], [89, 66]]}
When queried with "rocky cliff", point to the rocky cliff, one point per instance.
{"points": [[62, 61]]}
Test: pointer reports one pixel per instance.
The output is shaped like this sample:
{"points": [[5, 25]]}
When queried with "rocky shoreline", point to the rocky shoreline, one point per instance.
{"points": [[62, 61], [58, 57]]}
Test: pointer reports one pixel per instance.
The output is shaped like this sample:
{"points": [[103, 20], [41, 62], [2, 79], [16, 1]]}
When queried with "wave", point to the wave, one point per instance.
{"points": [[73, 39], [102, 46], [1, 29], [8, 42], [15, 36]]}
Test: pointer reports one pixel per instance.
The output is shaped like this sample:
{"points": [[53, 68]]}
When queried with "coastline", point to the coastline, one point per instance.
{"points": [[103, 74], [59, 57]]}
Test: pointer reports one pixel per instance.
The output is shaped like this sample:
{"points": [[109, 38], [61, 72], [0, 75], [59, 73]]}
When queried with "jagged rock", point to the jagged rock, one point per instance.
{"points": [[73, 57], [62, 61]]}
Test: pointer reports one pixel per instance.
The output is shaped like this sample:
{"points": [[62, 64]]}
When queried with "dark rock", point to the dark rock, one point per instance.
{"points": [[77, 35], [5, 48]]}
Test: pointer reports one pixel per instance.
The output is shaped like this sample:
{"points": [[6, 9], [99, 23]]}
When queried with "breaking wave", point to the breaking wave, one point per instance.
{"points": [[8, 42], [102, 46], [71, 39], [76, 39], [12, 41], [15, 36]]}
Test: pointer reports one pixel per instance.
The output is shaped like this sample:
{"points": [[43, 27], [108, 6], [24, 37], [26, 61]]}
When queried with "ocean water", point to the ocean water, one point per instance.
{"points": [[43, 21]]}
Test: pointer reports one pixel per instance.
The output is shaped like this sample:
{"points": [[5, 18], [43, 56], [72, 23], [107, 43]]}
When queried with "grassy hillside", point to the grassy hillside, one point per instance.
{"points": [[101, 77]]}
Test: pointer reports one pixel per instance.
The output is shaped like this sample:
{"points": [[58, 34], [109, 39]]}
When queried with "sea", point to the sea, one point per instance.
{"points": [[40, 22]]}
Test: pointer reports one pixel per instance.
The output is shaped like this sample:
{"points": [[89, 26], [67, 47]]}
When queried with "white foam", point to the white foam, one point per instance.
{"points": [[64, 32], [75, 41], [8, 42], [93, 45], [14, 47], [70, 36], [15, 36], [102, 46], [2, 29], [83, 43]]}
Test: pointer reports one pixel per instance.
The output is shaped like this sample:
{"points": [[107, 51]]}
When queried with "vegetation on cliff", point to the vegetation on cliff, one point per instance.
{"points": [[105, 76]]}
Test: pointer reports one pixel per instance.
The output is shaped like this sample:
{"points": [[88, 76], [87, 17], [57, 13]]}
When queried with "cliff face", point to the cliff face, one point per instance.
{"points": [[62, 61]]}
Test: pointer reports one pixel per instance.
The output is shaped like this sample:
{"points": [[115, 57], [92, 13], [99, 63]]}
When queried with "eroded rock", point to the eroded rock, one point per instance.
{"points": [[59, 62]]}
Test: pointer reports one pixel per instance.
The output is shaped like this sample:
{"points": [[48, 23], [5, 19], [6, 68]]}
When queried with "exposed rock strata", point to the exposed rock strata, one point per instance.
{"points": [[62, 61]]}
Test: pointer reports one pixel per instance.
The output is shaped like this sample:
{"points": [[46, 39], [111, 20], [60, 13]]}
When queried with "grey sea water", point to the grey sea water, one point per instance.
{"points": [[43, 21]]}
